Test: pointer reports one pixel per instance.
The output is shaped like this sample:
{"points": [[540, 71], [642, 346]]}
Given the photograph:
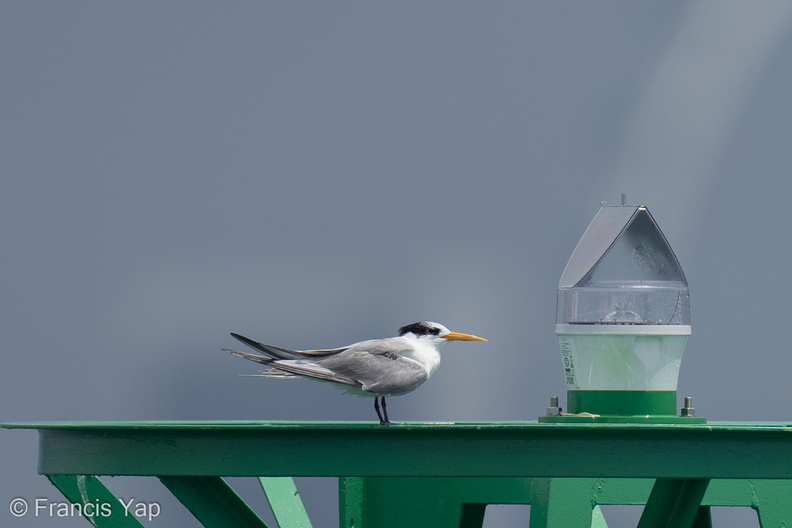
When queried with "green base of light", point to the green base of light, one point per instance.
{"points": [[622, 406], [625, 402]]}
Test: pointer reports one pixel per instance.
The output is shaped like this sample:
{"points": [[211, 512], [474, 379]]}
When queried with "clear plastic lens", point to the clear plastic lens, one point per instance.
{"points": [[660, 303]]}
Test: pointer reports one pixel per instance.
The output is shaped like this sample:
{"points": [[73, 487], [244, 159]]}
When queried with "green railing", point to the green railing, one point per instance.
{"points": [[433, 475]]}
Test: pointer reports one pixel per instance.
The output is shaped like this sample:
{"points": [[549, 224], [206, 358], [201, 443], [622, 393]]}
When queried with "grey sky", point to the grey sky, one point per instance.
{"points": [[314, 174]]}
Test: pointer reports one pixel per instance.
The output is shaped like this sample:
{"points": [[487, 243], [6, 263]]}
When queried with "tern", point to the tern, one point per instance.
{"points": [[377, 367]]}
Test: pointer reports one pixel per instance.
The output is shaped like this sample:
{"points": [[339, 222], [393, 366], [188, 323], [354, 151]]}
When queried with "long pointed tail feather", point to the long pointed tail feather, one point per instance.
{"points": [[272, 351], [264, 360]]}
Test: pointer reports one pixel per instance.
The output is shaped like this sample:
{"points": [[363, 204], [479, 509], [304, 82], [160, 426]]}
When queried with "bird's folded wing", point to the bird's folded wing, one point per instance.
{"points": [[378, 373], [285, 353], [393, 346], [312, 370], [295, 367]]}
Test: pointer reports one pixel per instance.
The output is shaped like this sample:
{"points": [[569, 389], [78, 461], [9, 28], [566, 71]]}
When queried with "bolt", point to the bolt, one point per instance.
{"points": [[688, 409], [554, 409]]}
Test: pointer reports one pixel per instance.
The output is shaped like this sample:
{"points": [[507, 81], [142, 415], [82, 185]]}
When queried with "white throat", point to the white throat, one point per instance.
{"points": [[426, 351]]}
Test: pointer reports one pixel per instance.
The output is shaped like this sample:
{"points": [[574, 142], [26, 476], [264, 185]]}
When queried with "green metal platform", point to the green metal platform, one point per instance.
{"points": [[433, 474]]}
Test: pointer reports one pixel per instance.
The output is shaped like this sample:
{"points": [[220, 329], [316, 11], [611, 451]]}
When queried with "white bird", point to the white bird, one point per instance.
{"points": [[378, 367]]}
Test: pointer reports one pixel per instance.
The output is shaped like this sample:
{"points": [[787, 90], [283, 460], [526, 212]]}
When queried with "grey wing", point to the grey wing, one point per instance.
{"points": [[296, 367], [382, 374], [312, 370], [285, 353]]}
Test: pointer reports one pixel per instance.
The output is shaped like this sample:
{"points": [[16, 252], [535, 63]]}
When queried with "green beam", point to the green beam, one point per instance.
{"points": [[472, 515], [285, 501], [722, 451], [562, 502], [673, 503], [351, 508], [447, 472], [94, 502], [598, 519], [424, 502], [703, 518], [213, 502], [772, 501]]}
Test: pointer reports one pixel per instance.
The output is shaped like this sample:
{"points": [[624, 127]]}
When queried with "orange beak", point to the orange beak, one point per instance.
{"points": [[456, 336]]}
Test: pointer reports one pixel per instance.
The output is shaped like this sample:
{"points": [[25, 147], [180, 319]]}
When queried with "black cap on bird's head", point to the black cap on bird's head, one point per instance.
{"points": [[426, 328], [422, 328]]}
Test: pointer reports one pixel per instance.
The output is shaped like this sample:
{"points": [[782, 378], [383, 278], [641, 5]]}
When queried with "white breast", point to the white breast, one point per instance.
{"points": [[424, 353]]}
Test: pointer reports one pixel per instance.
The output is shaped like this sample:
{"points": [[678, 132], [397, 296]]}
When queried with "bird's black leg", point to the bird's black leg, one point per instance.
{"points": [[383, 420], [385, 411], [376, 408]]}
